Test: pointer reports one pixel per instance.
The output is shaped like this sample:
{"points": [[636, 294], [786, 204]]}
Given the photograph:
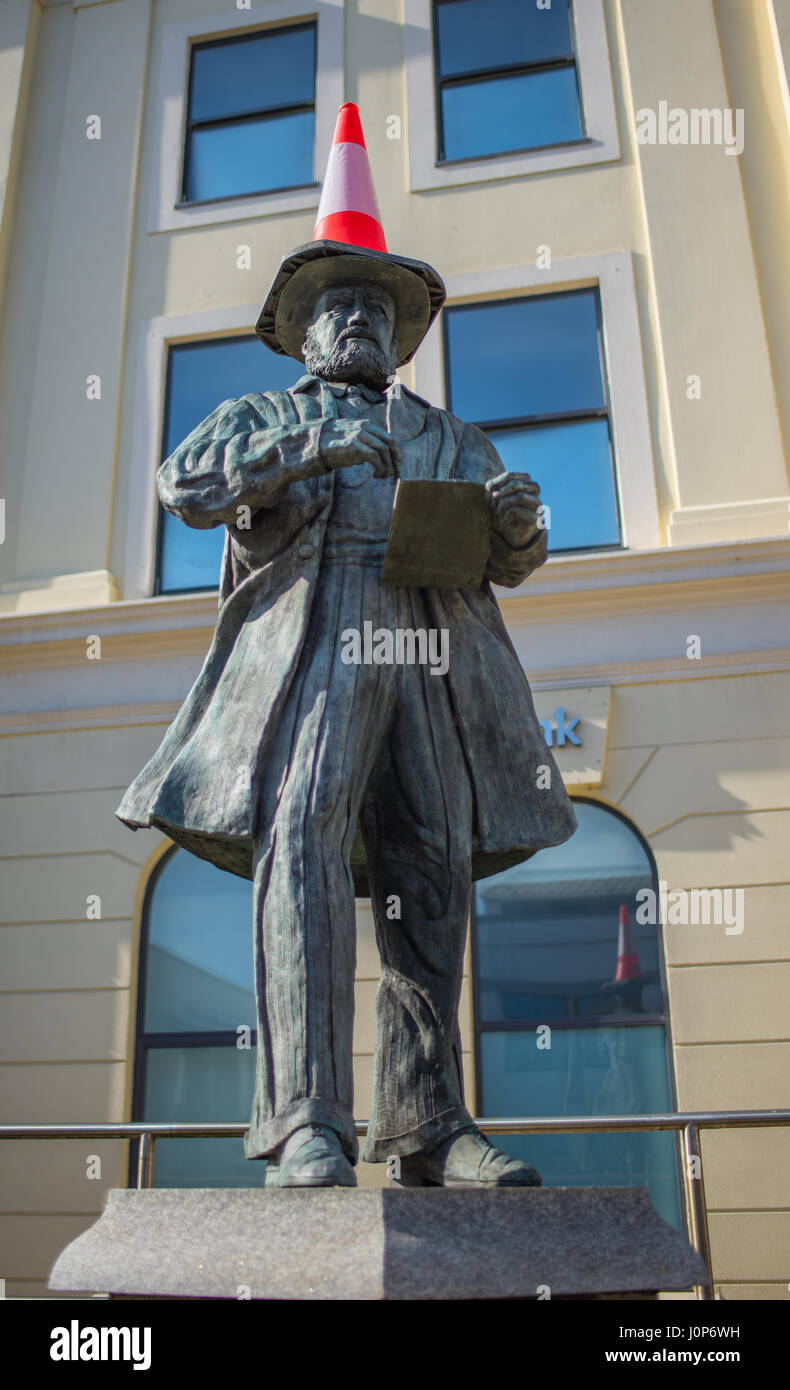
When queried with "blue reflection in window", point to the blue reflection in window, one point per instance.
{"points": [[524, 93], [525, 357], [193, 1084], [547, 942], [590, 1071], [255, 73], [251, 118], [573, 464], [548, 928], [476, 34], [200, 377], [251, 156], [198, 973], [540, 360], [507, 114], [196, 979]]}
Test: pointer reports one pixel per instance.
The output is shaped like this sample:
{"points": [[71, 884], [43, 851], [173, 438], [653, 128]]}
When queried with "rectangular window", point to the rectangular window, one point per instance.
{"points": [[199, 377], [531, 373], [506, 77], [251, 114]]}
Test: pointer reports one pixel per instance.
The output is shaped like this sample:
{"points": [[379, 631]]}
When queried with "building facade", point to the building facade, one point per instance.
{"points": [[605, 187]]}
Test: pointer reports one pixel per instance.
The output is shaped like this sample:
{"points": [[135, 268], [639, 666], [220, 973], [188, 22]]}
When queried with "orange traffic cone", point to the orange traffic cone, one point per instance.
{"points": [[348, 246], [627, 958], [348, 210]]}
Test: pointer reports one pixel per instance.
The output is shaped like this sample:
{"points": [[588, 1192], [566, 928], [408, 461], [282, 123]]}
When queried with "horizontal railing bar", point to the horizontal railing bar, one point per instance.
{"points": [[551, 1124]]}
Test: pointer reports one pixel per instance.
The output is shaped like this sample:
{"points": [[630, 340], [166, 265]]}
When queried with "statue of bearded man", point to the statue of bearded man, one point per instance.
{"points": [[319, 778]]}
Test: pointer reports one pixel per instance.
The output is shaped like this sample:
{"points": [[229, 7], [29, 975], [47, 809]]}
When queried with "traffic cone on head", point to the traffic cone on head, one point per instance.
{"points": [[627, 958], [348, 211], [348, 247]]}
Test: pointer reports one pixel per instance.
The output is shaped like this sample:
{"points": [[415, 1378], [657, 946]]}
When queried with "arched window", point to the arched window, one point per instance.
{"points": [[570, 1007], [195, 995]]}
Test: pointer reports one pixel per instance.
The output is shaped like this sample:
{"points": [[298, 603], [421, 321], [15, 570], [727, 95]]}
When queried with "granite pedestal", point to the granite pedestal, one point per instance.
{"points": [[420, 1244]]}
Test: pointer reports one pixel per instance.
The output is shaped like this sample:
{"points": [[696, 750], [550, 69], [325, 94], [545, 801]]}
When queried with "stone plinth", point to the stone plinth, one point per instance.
{"points": [[336, 1243]]}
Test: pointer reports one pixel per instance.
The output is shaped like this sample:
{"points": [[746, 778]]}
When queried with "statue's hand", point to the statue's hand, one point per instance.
{"points": [[348, 442], [515, 500]]}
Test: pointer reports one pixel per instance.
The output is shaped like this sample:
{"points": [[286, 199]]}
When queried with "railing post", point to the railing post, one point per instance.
{"points": [[695, 1204], [145, 1161]]}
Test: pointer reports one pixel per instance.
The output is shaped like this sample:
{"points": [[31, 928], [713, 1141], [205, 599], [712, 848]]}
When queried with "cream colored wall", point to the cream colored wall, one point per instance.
{"points": [[757, 82], [67, 292], [68, 983], [703, 768]]}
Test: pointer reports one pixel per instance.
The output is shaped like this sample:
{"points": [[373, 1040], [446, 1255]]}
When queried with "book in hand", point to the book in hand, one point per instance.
{"points": [[439, 535]]}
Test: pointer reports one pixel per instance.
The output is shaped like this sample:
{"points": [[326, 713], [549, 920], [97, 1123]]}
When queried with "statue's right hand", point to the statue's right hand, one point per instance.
{"points": [[348, 442]]}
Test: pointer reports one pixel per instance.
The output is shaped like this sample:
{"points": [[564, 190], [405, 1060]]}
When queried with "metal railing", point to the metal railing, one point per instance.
{"points": [[688, 1123]]}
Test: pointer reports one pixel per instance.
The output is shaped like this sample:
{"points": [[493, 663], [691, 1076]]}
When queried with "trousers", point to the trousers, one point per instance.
{"points": [[378, 745]]}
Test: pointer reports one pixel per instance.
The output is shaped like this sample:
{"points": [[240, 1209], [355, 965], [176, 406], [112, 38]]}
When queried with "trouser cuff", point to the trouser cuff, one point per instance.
{"points": [[424, 1136], [264, 1137]]}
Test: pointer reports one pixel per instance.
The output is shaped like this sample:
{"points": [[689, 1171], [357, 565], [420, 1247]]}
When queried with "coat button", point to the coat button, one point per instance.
{"points": [[306, 552]]}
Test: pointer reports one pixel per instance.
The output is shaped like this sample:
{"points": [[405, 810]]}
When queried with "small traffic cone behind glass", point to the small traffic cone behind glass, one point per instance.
{"points": [[627, 958], [348, 210]]}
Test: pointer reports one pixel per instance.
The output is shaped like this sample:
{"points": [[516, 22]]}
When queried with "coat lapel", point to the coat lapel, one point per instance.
{"points": [[420, 431]]}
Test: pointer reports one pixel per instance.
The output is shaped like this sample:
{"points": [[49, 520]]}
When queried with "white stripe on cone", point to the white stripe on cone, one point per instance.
{"points": [[348, 186]]}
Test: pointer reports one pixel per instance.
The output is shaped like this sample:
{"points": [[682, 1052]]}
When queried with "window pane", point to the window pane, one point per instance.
{"points": [[525, 357], [573, 464], [201, 375], [199, 961], [254, 74], [510, 113], [194, 1084], [251, 156], [590, 1071], [547, 929], [475, 34]]}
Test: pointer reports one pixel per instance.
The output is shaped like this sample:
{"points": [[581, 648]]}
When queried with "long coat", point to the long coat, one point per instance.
{"points": [[201, 787]]}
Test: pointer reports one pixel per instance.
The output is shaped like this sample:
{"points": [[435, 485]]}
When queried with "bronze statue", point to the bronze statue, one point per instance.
{"points": [[317, 770]]}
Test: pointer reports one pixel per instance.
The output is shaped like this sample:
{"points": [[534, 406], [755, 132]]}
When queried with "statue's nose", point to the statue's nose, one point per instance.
{"points": [[359, 313]]}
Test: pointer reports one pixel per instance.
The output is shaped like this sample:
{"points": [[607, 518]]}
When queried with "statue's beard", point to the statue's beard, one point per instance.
{"points": [[353, 360]]}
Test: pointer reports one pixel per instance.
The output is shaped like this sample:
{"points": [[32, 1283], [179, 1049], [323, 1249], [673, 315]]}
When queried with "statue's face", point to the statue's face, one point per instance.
{"points": [[352, 336]]}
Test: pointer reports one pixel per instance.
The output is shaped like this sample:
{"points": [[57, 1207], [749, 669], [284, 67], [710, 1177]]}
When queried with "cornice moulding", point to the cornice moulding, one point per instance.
{"points": [[568, 588], [614, 674]]}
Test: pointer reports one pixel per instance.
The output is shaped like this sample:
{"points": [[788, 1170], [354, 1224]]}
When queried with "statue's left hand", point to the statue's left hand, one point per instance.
{"points": [[515, 500]]}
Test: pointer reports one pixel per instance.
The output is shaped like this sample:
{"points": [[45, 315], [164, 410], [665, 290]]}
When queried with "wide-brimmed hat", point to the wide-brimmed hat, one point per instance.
{"points": [[348, 246]]}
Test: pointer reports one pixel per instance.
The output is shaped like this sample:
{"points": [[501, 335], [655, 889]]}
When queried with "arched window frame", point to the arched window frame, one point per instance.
{"points": [[145, 1041], [592, 1021]]}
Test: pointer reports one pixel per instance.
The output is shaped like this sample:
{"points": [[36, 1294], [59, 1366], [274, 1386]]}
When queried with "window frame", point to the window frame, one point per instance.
{"points": [[145, 1042], [613, 274], [168, 211], [157, 336], [599, 142], [291, 108], [488, 74], [603, 412], [156, 587], [588, 1021]]}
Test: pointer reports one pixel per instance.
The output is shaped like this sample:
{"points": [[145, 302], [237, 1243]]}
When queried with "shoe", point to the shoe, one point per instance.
{"points": [[311, 1157], [466, 1159]]}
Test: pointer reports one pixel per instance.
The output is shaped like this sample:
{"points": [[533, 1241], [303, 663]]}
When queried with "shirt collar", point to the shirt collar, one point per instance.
{"points": [[309, 382]]}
